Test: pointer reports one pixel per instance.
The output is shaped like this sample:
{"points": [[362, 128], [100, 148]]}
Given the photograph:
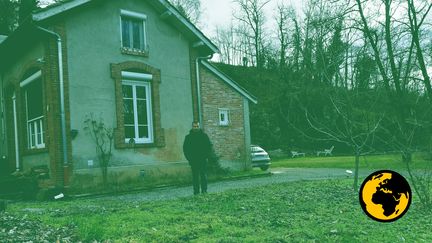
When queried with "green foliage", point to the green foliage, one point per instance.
{"points": [[324, 211], [284, 98], [8, 16], [25, 9], [14, 13], [264, 117], [365, 67]]}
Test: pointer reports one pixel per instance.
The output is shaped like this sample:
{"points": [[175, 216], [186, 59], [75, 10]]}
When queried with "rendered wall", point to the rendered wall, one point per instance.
{"points": [[93, 43]]}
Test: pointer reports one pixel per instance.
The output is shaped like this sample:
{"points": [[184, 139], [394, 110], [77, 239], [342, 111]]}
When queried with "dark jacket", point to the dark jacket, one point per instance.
{"points": [[197, 147]]}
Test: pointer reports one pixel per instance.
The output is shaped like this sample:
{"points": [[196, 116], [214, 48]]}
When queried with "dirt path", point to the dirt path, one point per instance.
{"points": [[279, 175]]}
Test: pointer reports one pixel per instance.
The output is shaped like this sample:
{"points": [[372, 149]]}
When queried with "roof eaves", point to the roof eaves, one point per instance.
{"points": [[189, 25], [229, 81], [57, 9]]}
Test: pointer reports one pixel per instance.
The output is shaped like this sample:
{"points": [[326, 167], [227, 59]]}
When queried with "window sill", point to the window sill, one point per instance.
{"points": [[139, 145], [134, 52], [35, 151]]}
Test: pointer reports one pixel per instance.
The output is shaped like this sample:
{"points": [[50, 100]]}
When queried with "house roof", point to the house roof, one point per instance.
{"points": [[17, 44], [167, 11], [2, 38], [229, 81]]}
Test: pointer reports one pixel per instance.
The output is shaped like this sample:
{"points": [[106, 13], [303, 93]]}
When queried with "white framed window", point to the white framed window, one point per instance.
{"points": [[33, 93], [137, 107], [223, 117], [133, 30]]}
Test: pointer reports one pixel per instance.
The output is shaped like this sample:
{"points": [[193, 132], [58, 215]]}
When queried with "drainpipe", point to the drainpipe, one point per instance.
{"points": [[62, 102], [2, 115], [198, 85], [17, 155]]}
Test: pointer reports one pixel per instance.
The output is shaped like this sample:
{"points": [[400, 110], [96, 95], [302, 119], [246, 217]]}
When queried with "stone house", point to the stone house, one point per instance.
{"points": [[136, 64]]}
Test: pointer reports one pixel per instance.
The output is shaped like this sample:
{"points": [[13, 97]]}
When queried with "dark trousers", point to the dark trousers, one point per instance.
{"points": [[199, 176]]}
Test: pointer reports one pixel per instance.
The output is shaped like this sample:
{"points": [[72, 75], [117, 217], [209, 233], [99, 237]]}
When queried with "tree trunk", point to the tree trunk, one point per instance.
{"points": [[356, 170], [406, 156], [105, 175]]}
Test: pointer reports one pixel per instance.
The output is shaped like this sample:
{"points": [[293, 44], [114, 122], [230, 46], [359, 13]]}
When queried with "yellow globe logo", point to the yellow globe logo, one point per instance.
{"points": [[385, 196]]}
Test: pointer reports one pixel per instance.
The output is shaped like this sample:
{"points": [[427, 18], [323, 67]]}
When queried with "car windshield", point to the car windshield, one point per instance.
{"points": [[257, 149]]}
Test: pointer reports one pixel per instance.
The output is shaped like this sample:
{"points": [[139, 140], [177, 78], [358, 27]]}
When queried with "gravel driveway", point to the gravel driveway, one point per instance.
{"points": [[278, 175]]}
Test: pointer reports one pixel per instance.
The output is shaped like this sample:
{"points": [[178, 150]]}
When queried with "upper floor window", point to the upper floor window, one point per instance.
{"points": [[133, 31], [33, 101]]}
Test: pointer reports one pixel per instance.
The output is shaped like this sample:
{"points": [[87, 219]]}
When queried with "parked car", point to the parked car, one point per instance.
{"points": [[260, 157]]}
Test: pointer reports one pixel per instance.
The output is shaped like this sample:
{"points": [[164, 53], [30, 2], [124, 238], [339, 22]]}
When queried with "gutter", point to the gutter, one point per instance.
{"points": [[62, 102], [2, 115], [17, 154], [4, 153], [198, 85]]}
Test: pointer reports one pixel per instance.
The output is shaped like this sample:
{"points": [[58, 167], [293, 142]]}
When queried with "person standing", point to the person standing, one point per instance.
{"points": [[197, 149]]}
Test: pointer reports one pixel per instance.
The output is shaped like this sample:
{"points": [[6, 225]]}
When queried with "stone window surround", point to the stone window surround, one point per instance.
{"points": [[33, 66], [119, 133]]}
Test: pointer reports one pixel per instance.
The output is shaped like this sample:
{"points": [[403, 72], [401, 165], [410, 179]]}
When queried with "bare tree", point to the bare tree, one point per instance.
{"points": [[283, 16], [399, 55], [234, 45], [415, 25], [225, 40], [351, 124], [190, 9], [252, 16], [103, 137]]}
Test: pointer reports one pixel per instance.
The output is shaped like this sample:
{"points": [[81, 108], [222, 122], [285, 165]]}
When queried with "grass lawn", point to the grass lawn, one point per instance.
{"points": [[303, 211], [389, 161]]}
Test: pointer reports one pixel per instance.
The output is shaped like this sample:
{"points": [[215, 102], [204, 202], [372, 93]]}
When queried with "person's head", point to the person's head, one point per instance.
{"points": [[195, 126]]}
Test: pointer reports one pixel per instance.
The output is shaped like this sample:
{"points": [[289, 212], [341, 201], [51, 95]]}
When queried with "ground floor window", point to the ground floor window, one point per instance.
{"points": [[137, 108], [223, 117], [33, 102]]}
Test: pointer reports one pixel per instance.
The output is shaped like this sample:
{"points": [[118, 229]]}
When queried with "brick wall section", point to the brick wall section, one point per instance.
{"points": [[59, 170], [51, 100], [66, 169], [52, 120], [228, 141], [193, 54], [12, 86]]}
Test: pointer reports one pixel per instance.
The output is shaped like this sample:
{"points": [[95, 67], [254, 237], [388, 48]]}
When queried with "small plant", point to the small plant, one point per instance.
{"points": [[421, 180], [103, 137], [214, 166]]}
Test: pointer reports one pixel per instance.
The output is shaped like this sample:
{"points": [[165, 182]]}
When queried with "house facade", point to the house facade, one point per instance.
{"points": [[138, 66]]}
